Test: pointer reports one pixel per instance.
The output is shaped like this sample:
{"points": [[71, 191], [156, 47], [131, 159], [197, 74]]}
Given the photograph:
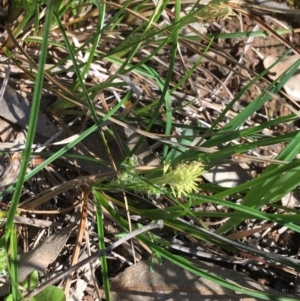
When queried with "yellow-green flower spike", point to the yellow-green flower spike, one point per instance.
{"points": [[182, 179]]}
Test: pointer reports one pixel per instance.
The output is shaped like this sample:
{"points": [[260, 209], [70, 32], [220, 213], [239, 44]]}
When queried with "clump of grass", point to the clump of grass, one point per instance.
{"points": [[97, 63]]}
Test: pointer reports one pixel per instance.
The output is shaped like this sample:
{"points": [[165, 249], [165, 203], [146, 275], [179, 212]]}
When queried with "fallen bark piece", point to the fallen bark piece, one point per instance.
{"points": [[172, 283], [10, 164], [44, 254], [227, 175]]}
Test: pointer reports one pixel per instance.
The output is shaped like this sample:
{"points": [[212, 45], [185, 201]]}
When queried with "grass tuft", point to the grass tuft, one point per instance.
{"points": [[147, 99]]}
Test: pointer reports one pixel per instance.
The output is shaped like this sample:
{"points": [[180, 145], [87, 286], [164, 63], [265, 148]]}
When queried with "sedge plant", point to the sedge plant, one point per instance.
{"points": [[141, 45]]}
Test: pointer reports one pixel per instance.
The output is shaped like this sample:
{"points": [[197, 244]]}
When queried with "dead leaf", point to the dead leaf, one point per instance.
{"points": [[10, 168], [10, 164], [292, 85], [247, 233], [79, 292], [2, 11], [144, 153], [172, 283], [16, 109], [289, 201], [227, 175], [95, 148], [44, 254], [7, 130]]}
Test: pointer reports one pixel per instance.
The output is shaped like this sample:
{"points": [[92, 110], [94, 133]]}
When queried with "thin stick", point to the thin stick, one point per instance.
{"points": [[99, 253]]}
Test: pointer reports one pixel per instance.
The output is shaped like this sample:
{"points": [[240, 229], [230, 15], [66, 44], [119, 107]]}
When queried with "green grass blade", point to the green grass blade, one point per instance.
{"points": [[34, 112], [76, 68], [14, 264], [264, 193], [101, 235], [185, 264], [256, 104]]}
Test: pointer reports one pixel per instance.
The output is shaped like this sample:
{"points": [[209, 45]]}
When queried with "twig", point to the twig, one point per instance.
{"points": [[99, 253]]}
